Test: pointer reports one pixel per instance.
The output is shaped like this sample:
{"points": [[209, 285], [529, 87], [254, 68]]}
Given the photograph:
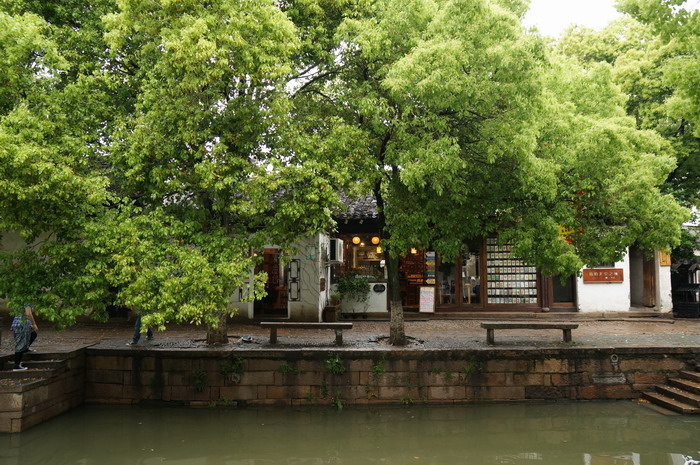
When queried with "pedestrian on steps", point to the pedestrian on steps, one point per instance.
{"points": [[25, 329]]}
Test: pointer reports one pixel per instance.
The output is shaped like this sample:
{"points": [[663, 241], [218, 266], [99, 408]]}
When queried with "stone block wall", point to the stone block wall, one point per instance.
{"points": [[25, 404], [327, 377]]}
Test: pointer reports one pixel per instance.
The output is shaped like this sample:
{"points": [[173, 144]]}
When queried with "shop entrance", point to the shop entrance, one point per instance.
{"points": [[563, 293], [275, 302], [412, 272], [642, 278], [459, 283]]}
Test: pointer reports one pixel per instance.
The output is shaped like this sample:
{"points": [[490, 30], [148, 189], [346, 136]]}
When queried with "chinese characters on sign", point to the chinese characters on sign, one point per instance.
{"points": [[603, 275]]}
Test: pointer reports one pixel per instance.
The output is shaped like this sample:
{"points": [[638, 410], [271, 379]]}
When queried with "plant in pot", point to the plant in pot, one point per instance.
{"points": [[335, 299], [354, 289]]}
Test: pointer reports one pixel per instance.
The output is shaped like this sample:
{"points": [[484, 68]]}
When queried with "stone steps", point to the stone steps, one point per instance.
{"points": [[670, 403], [691, 375], [680, 395], [36, 368], [686, 384]]}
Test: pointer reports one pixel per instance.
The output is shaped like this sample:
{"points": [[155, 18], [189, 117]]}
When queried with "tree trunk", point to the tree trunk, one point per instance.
{"points": [[218, 335], [397, 332]]}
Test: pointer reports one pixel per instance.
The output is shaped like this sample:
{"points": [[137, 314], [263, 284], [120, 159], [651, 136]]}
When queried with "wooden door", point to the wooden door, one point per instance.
{"points": [[649, 276]]}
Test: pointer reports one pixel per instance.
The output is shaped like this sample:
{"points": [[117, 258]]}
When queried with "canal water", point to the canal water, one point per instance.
{"points": [[581, 433]]}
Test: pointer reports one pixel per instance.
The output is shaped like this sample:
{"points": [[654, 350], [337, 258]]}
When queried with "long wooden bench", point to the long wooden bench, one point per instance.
{"points": [[491, 326], [337, 327]]}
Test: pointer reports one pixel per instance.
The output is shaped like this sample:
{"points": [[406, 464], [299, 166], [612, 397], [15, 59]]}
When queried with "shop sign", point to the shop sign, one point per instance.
{"points": [[664, 259], [603, 275], [427, 299], [567, 233], [430, 268]]}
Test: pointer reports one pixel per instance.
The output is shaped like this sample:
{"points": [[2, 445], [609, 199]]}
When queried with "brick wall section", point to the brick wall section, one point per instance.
{"points": [[29, 404], [301, 377]]}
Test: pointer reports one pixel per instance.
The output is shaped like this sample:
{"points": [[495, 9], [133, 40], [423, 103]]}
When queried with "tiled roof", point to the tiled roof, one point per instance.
{"points": [[358, 209]]}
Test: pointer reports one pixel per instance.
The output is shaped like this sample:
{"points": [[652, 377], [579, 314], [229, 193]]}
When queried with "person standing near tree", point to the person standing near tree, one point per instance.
{"points": [[137, 332], [25, 329]]}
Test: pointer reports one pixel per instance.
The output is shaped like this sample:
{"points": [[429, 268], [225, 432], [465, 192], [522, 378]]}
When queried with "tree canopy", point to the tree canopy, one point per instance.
{"points": [[149, 148], [168, 148], [462, 125]]}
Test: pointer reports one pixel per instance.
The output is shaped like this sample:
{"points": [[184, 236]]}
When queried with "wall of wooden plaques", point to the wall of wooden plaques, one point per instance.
{"points": [[509, 280]]}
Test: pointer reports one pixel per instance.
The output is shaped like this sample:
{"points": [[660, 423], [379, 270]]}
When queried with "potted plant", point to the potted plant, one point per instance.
{"points": [[354, 289], [335, 299]]}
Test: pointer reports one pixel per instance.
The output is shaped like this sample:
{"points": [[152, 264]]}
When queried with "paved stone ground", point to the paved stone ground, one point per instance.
{"points": [[424, 334]]}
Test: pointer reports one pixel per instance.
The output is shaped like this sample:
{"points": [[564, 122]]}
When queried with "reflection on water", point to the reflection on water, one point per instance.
{"points": [[596, 433]]}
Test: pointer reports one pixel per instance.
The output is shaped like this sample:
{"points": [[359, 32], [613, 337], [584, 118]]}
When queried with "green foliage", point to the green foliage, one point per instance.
{"points": [[338, 402], [354, 288], [334, 365], [379, 369], [232, 367], [654, 53], [147, 149], [286, 368], [685, 252], [146, 145], [200, 380], [461, 125], [474, 367]]}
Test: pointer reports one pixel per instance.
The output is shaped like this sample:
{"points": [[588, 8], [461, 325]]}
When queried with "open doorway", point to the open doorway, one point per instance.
{"points": [[562, 293], [643, 286], [275, 302]]}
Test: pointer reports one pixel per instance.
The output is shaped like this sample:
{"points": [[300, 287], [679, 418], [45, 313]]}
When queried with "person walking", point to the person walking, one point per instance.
{"points": [[137, 332], [25, 329]]}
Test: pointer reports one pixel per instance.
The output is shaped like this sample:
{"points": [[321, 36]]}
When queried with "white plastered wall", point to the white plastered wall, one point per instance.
{"points": [[311, 253], [605, 297], [663, 278]]}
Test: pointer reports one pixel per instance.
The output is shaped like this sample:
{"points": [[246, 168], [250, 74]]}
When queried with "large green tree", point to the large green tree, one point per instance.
{"points": [[159, 143], [183, 109], [462, 126], [48, 161], [645, 63]]}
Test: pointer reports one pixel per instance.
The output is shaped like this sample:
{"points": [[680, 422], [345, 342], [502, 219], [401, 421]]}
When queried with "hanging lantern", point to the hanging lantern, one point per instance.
{"points": [[356, 240], [375, 240]]}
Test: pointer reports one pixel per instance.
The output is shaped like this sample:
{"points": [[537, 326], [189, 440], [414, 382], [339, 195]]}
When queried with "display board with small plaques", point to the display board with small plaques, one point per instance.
{"points": [[509, 280]]}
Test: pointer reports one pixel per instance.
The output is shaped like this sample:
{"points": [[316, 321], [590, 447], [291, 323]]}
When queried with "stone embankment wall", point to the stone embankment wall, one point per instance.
{"points": [[56, 385], [311, 377]]}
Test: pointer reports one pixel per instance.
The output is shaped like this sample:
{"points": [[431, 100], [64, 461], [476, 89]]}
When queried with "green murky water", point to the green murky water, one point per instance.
{"points": [[595, 433]]}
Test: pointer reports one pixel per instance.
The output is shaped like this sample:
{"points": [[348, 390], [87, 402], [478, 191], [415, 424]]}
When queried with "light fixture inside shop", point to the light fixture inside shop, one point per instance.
{"points": [[414, 251], [379, 250], [356, 240], [375, 240]]}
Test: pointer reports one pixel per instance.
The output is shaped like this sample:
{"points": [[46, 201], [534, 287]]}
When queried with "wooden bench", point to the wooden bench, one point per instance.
{"points": [[491, 326], [273, 325]]}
